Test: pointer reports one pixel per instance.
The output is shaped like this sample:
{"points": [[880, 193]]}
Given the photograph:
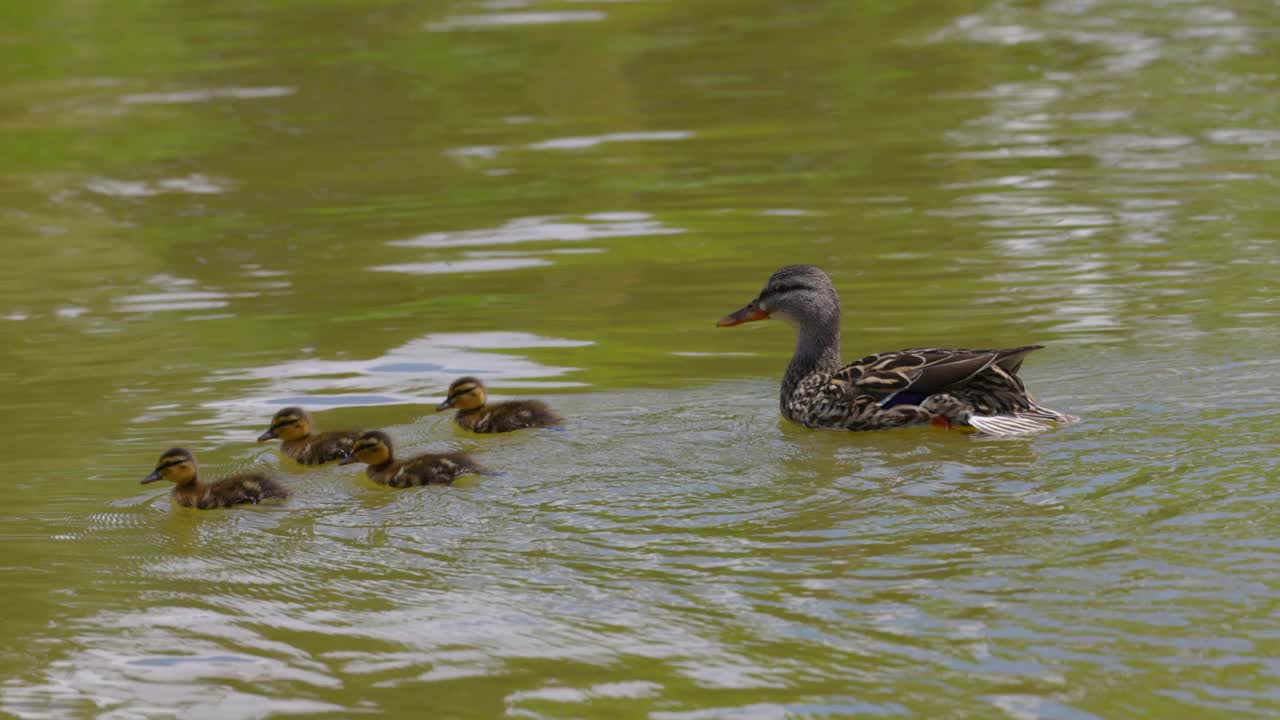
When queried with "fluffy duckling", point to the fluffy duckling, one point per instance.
{"points": [[468, 395], [179, 467], [375, 449], [293, 426]]}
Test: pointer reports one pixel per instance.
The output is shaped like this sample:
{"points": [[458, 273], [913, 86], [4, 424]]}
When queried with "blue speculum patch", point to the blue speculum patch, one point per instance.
{"points": [[904, 398]]}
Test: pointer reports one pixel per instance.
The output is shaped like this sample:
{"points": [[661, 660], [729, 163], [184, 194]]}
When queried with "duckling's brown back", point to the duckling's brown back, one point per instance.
{"points": [[243, 489], [322, 448], [435, 469], [510, 416]]}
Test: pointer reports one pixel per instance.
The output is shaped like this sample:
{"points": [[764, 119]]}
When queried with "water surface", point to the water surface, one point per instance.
{"points": [[213, 211]]}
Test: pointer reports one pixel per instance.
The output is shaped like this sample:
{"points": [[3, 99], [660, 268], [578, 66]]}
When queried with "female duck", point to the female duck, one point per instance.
{"points": [[973, 388], [374, 448], [293, 426], [179, 467], [468, 395]]}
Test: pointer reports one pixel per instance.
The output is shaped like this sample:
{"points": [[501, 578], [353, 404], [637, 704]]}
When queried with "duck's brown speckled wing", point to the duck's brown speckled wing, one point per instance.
{"points": [[887, 389], [929, 370]]}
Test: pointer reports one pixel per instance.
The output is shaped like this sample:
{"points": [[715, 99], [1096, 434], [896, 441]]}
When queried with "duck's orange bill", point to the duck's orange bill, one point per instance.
{"points": [[747, 314]]}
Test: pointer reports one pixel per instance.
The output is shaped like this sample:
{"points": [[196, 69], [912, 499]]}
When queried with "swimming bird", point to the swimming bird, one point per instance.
{"points": [[469, 396], [178, 466], [375, 449], [968, 388], [293, 426]]}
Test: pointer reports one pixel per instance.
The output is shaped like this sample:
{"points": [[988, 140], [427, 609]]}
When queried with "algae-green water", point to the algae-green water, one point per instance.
{"points": [[213, 210]]}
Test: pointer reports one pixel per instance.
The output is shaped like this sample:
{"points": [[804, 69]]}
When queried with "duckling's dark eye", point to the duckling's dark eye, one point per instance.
{"points": [[169, 464], [284, 423]]}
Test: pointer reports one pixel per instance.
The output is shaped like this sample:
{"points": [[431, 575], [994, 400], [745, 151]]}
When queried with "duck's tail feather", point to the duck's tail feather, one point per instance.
{"points": [[1032, 420]]}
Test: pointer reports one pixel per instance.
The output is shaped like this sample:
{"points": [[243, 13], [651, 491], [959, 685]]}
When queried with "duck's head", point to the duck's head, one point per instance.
{"points": [[291, 423], [371, 448], [465, 394], [802, 295], [176, 465]]}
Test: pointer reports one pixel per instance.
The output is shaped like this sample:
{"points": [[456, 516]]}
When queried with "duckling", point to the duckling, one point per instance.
{"points": [[468, 395], [179, 467], [375, 449], [293, 425]]}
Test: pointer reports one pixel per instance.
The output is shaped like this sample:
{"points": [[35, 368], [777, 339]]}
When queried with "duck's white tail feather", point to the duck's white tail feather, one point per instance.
{"points": [[1022, 423], [1044, 413]]}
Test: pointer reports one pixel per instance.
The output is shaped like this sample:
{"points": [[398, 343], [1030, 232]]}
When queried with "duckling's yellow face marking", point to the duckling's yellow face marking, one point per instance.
{"points": [[371, 450], [288, 424], [177, 466], [464, 394]]}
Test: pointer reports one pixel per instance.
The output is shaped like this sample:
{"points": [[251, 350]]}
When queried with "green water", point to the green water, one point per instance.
{"points": [[210, 210]]}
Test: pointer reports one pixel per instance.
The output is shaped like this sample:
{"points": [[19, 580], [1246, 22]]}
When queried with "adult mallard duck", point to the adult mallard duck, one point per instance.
{"points": [[469, 396], [293, 426], [969, 388], [179, 467], [375, 449]]}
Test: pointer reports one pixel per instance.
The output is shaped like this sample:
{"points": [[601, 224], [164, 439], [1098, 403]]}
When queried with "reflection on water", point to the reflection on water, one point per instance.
{"points": [[462, 266], [547, 229], [177, 294], [417, 372], [192, 184], [515, 19], [205, 95], [597, 226], [582, 143]]}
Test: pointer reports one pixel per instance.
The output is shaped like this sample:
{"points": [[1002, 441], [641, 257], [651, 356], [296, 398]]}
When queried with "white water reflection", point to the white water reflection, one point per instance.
{"points": [[194, 184], [590, 141], [415, 373], [171, 293], [207, 94], [1089, 225], [460, 266], [547, 229], [597, 226], [502, 20], [466, 154]]}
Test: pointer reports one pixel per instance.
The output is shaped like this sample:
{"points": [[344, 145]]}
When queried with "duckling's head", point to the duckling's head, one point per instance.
{"points": [[465, 394], [291, 423], [801, 295], [371, 448], [176, 465]]}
